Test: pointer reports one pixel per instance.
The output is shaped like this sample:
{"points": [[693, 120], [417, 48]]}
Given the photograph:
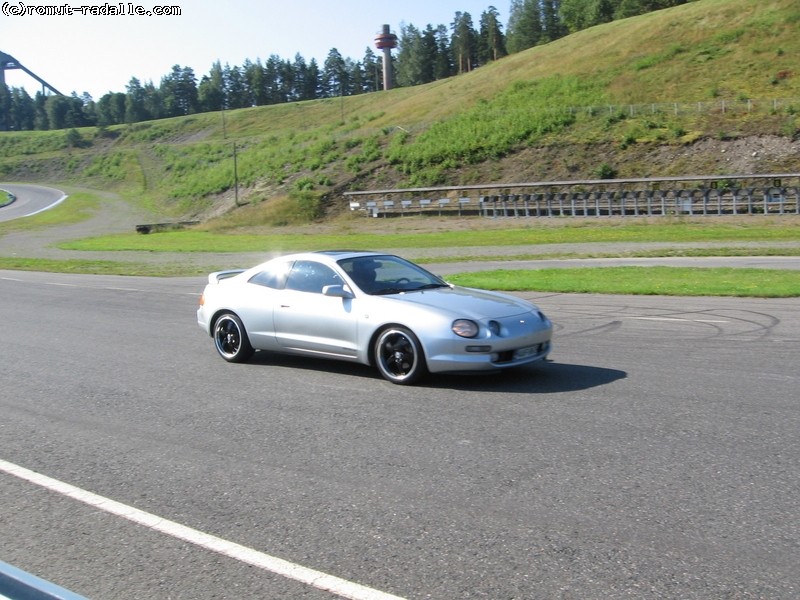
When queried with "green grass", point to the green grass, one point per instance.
{"points": [[455, 131], [622, 280], [482, 127], [645, 253], [569, 233], [103, 267], [666, 281]]}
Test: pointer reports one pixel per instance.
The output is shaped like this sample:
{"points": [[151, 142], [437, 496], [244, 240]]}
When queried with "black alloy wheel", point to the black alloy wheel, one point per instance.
{"points": [[230, 339], [399, 356]]}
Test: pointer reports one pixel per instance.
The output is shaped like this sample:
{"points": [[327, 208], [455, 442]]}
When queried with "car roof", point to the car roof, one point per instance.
{"points": [[332, 255], [323, 255], [337, 254]]}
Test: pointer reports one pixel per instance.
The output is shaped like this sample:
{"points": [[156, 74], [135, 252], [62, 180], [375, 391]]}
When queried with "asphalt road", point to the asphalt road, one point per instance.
{"points": [[29, 200], [656, 456]]}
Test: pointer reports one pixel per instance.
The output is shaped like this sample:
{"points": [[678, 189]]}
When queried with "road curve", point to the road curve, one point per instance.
{"points": [[29, 200]]}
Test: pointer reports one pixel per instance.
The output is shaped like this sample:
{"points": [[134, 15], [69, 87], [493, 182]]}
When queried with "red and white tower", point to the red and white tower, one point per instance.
{"points": [[386, 41]]}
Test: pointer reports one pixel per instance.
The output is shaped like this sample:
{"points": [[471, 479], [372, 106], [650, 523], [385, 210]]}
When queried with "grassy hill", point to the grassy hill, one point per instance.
{"points": [[711, 87]]}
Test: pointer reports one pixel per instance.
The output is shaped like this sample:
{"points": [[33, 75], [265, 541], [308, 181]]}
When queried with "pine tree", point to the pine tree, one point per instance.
{"points": [[492, 45], [524, 25]]}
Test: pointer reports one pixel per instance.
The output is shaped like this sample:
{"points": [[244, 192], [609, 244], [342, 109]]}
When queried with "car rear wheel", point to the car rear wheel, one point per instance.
{"points": [[399, 356], [230, 339]]}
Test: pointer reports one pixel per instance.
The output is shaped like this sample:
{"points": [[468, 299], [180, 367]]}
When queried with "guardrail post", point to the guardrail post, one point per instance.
{"points": [[602, 199], [526, 198], [596, 198], [735, 201], [663, 201], [586, 196]]}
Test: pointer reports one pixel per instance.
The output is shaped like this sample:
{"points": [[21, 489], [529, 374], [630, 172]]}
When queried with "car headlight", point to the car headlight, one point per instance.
{"points": [[465, 328]]}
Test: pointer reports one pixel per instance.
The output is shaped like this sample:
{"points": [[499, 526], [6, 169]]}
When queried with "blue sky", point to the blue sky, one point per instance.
{"points": [[99, 54]]}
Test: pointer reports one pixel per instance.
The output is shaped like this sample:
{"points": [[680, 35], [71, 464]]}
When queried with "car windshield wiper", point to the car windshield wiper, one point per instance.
{"points": [[398, 290], [430, 286], [388, 291]]}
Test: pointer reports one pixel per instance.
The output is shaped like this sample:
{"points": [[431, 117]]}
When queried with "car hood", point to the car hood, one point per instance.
{"points": [[468, 302]]}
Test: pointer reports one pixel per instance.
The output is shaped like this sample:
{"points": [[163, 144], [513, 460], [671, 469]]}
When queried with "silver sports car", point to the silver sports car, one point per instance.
{"points": [[371, 308]]}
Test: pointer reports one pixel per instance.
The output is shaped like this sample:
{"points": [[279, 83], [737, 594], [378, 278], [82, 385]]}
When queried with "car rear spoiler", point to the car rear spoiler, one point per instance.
{"points": [[218, 276]]}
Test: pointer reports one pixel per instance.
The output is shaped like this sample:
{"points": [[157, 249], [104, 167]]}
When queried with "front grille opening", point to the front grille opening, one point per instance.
{"points": [[508, 356]]}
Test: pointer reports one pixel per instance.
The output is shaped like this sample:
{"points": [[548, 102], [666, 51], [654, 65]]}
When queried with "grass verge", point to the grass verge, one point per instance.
{"points": [[776, 230], [680, 235], [663, 281], [103, 267]]}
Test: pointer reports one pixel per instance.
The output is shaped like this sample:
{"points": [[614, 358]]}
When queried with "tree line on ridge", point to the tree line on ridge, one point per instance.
{"points": [[422, 56]]}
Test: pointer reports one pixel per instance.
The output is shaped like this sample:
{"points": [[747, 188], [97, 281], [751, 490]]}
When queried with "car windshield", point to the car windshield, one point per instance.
{"points": [[389, 275]]}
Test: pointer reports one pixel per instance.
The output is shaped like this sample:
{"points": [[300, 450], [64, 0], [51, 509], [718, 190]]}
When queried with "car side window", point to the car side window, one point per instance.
{"points": [[310, 276], [274, 277]]}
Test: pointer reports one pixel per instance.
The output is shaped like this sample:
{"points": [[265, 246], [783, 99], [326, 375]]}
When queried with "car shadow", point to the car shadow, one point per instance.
{"points": [[539, 378], [544, 377]]}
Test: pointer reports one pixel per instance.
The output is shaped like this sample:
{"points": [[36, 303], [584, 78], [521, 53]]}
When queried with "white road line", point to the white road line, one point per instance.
{"points": [[54, 204], [679, 320], [310, 577]]}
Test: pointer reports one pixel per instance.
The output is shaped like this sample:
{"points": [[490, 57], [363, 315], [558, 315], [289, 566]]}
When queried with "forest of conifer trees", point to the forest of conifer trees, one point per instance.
{"points": [[423, 55]]}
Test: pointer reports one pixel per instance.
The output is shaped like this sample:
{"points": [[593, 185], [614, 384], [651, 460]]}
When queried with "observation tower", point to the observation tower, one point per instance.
{"points": [[386, 41]]}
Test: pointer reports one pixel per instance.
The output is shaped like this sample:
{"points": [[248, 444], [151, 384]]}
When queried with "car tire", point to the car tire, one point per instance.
{"points": [[399, 356], [230, 339]]}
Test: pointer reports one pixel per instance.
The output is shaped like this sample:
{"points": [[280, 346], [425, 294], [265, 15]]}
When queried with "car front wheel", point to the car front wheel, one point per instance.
{"points": [[230, 339], [399, 356]]}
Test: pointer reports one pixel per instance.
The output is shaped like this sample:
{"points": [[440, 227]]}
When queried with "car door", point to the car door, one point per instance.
{"points": [[257, 304], [305, 319]]}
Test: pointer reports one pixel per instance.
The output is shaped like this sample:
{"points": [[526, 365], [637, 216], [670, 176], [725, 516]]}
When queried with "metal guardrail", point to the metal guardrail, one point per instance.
{"points": [[774, 194], [16, 584]]}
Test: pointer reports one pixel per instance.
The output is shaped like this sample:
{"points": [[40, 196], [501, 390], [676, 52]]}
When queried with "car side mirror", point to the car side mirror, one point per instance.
{"points": [[337, 291]]}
